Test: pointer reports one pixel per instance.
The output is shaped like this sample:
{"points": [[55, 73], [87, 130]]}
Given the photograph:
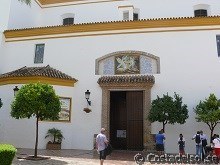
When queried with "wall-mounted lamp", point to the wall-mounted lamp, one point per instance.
{"points": [[16, 89], [87, 94]]}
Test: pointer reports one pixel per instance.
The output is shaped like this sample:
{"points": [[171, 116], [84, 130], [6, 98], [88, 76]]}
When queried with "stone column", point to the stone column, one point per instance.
{"points": [[106, 110], [148, 139]]}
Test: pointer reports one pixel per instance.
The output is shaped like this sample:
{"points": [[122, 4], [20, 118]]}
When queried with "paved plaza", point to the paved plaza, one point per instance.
{"points": [[82, 157], [74, 157]]}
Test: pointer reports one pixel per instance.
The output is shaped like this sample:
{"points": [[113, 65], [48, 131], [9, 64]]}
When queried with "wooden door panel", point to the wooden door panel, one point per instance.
{"points": [[126, 113], [118, 119], [135, 135], [134, 100]]}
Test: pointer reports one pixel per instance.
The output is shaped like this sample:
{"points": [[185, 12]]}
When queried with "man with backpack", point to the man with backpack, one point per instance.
{"points": [[198, 141], [101, 143]]}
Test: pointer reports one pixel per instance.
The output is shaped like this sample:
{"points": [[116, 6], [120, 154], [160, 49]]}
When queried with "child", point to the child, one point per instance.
{"points": [[181, 143]]}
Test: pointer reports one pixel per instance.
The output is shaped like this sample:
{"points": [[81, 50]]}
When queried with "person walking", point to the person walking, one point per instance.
{"points": [[198, 141], [160, 143], [101, 143], [181, 143], [204, 144]]}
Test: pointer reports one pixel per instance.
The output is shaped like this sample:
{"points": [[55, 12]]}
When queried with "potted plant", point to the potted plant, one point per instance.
{"points": [[57, 136], [87, 110]]}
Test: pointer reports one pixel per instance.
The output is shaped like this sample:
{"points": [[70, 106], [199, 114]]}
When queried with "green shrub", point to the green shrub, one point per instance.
{"points": [[7, 153]]}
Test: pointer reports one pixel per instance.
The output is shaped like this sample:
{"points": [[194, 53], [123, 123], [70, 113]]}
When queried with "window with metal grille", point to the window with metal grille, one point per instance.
{"points": [[39, 53], [135, 16], [68, 21], [218, 44], [126, 15], [200, 13]]}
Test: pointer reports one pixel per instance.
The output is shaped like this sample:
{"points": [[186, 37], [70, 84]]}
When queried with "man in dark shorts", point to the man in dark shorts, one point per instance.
{"points": [[101, 143], [160, 143]]}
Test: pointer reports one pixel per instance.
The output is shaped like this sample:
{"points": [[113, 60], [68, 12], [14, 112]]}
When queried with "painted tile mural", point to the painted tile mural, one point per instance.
{"points": [[127, 64]]}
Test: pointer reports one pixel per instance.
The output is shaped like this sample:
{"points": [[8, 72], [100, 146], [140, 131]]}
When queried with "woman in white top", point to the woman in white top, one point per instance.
{"points": [[216, 143]]}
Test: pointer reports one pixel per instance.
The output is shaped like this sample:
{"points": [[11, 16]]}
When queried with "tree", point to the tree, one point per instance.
{"points": [[168, 110], [208, 111], [36, 100], [1, 103], [28, 2]]}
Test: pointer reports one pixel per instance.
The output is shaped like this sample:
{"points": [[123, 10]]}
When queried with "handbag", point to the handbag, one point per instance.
{"points": [[108, 149]]}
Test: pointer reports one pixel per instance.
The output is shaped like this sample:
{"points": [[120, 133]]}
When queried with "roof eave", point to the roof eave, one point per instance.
{"points": [[112, 26], [34, 79]]}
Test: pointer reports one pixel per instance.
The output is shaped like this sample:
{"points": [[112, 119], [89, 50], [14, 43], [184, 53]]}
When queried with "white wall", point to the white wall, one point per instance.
{"points": [[99, 12], [189, 66], [4, 14], [23, 16]]}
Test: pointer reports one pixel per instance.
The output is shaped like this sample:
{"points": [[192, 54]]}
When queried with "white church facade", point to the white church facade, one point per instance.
{"points": [[125, 52]]}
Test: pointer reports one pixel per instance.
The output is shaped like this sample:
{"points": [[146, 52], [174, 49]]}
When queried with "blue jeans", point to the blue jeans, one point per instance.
{"points": [[198, 150]]}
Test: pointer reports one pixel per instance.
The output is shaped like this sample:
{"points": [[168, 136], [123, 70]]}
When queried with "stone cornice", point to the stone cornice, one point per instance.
{"points": [[96, 28], [47, 2], [127, 80], [57, 3]]}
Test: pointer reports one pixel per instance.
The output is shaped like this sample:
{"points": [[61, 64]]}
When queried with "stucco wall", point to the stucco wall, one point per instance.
{"points": [[4, 14], [189, 66], [23, 16]]}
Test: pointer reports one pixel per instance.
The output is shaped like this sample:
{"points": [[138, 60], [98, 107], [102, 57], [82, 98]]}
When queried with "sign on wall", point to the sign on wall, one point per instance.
{"points": [[65, 113]]}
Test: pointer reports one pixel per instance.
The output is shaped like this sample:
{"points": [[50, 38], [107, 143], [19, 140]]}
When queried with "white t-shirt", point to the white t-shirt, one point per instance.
{"points": [[216, 142], [203, 136], [101, 141]]}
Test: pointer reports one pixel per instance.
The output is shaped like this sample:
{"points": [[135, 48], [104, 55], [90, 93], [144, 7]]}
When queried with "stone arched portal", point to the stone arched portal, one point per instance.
{"points": [[128, 82]]}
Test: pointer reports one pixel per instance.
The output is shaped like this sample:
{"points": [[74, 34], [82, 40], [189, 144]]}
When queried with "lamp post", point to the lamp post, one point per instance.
{"points": [[16, 89], [87, 95]]}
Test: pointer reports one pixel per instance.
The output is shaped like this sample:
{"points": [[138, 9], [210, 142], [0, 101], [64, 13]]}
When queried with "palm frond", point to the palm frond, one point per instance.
{"points": [[27, 2]]}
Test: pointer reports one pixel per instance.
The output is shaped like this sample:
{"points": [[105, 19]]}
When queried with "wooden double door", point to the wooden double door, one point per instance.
{"points": [[126, 120]]}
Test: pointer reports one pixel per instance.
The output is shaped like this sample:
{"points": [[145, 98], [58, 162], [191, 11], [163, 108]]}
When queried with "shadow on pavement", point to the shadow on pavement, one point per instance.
{"points": [[31, 162], [89, 154]]}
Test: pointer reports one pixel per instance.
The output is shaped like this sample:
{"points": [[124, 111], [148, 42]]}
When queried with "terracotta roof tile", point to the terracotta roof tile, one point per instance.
{"points": [[126, 79], [45, 71]]}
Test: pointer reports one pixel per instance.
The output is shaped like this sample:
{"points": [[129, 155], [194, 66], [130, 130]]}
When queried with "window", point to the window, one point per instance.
{"points": [[68, 21], [135, 16], [200, 13], [126, 15], [39, 53], [202, 10], [218, 44], [128, 12]]}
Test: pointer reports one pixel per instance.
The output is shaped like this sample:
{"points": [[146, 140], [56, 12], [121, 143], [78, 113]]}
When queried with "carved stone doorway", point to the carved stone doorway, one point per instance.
{"points": [[142, 83]]}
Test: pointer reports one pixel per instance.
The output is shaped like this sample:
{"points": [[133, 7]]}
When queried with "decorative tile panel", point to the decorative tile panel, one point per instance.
{"points": [[108, 66], [127, 62], [145, 65]]}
